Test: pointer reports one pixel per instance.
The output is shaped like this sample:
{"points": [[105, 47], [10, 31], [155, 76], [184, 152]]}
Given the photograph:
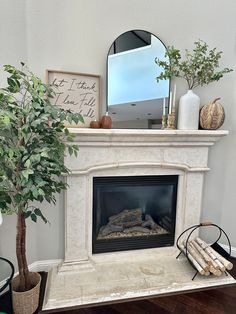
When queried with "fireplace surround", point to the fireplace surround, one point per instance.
{"points": [[86, 277]]}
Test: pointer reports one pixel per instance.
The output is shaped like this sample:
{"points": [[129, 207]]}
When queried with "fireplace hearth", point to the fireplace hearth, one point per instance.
{"points": [[133, 212]]}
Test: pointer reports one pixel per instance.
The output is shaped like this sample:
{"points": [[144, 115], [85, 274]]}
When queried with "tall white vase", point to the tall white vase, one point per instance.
{"points": [[188, 114]]}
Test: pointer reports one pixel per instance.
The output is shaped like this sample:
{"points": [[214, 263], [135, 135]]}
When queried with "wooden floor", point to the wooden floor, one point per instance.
{"points": [[214, 301]]}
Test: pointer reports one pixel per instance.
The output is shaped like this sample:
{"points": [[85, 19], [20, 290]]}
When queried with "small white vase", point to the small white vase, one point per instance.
{"points": [[188, 114]]}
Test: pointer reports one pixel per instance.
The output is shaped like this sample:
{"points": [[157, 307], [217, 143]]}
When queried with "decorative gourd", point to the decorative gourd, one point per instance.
{"points": [[95, 124], [212, 115], [106, 122]]}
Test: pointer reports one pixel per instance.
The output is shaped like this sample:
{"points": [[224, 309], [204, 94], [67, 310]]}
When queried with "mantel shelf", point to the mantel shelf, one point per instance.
{"points": [[144, 137]]}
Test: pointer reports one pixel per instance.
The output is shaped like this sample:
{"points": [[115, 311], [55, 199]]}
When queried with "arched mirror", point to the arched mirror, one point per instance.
{"points": [[134, 98]]}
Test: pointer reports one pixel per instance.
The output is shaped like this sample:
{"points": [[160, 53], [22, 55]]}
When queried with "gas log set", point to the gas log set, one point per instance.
{"points": [[130, 223]]}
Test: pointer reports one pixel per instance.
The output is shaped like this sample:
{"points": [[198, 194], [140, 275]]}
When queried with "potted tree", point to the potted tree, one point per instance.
{"points": [[199, 67], [33, 140]]}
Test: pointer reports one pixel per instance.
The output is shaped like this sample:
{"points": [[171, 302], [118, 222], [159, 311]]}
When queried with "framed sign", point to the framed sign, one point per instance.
{"points": [[78, 92]]}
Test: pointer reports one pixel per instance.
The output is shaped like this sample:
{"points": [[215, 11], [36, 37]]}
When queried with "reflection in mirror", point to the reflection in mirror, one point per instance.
{"points": [[134, 98]]}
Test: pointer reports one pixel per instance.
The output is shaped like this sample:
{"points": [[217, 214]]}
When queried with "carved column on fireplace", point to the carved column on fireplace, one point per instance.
{"points": [[131, 153]]}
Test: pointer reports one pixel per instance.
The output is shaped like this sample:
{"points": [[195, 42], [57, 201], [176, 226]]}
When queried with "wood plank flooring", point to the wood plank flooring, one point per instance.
{"points": [[214, 301], [217, 301]]}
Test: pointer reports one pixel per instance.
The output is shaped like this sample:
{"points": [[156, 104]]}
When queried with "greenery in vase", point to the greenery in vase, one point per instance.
{"points": [[34, 141], [198, 68]]}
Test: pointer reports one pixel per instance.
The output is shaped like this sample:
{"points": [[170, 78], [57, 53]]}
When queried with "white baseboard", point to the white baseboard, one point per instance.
{"points": [[226, 248], [37, 266], [45, 265]]}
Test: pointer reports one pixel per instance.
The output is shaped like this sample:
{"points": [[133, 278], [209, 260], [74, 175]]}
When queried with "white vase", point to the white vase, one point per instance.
{"points": [[188, 114]]}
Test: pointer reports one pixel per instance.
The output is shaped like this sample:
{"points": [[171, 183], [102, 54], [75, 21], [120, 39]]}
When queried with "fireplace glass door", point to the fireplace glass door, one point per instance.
{"points": [[133, 212]]}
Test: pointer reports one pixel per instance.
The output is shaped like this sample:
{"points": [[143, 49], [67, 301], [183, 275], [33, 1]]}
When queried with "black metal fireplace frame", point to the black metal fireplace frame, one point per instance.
{"points": [[144, 242]]}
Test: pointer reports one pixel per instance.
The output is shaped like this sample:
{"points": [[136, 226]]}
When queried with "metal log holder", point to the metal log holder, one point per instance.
{"points": [[215, 245]]}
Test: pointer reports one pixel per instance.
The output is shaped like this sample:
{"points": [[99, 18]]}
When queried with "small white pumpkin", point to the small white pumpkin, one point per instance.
{"points": [[212, 115]]}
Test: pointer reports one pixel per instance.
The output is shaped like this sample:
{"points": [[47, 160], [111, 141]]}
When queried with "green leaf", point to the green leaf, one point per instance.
{"points": [[26, 173], [38, 212], [3, 205], [81, 118], [44, 154], [10, 153], [70, 149], [70, 119], [27, 214], [6, 120], [35, 193], [33, 217], [35, 158], [4, 197], [41, 192], [14, 84], [27, 163]]}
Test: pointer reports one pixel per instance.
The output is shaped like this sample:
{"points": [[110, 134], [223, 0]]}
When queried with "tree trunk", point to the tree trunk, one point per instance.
{"points": [[20, 253]]}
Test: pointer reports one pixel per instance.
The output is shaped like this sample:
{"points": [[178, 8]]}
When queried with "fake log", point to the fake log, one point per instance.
{"points": [[127, 218], [205, 259], [215, 255], [214, 271], [215, 263], [108, 229], [196, 255], [192, 259], [130, 222], [202, 252], [149, 222]]}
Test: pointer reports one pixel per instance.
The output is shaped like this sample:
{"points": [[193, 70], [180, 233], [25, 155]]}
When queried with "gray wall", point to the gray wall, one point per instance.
{"points": [[13, 49], [12, 33], [75, 35]]}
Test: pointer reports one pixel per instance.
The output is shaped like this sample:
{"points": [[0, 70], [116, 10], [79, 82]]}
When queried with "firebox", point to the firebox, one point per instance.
{"points": [[133, 212]]}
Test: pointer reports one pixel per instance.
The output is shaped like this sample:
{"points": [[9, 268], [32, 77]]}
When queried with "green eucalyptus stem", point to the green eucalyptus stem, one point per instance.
{"points": [[199, 67]]}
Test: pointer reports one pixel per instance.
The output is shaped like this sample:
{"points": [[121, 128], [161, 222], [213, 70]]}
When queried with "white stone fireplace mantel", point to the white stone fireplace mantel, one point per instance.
{"points": [[116, 152], [118, 136], [120, 152]]}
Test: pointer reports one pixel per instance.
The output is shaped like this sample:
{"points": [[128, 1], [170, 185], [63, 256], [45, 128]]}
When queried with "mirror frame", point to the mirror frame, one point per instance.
{"points": [[167, 106]]}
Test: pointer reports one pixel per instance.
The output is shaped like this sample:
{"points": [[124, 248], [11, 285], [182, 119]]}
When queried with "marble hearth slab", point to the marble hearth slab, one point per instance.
{"points": [[128, 279]]}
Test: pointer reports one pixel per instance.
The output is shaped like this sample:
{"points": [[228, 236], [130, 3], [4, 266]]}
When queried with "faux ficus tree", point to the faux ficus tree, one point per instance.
{"points": [[198, 68], [33, 141]]}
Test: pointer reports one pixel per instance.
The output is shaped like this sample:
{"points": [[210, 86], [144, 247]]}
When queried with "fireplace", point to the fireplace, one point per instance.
{"points": [[133, 212], [106, 178]]}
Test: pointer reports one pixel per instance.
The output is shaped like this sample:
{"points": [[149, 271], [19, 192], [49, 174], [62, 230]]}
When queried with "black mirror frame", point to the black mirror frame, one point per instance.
{"points": [[133, 30]]}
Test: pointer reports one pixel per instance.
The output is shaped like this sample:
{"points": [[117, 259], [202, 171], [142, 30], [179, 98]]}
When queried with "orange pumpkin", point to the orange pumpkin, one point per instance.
{"points": [[106, 122], [95, 124]]}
